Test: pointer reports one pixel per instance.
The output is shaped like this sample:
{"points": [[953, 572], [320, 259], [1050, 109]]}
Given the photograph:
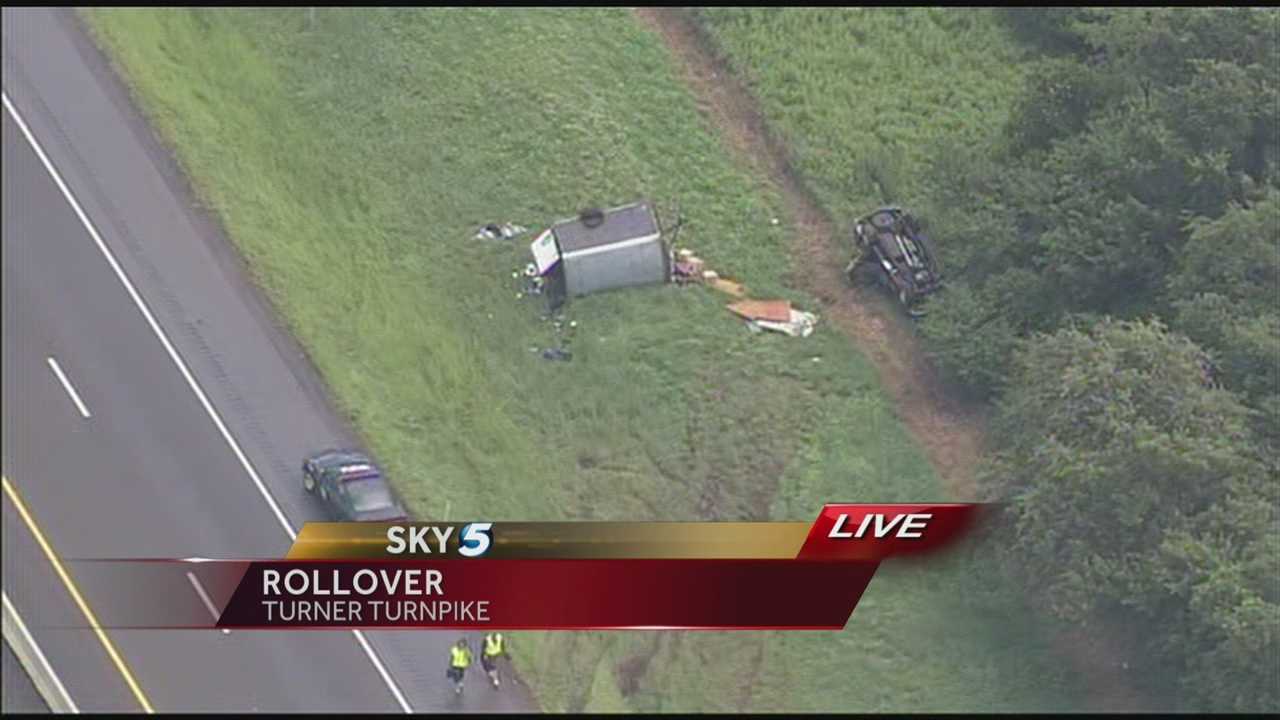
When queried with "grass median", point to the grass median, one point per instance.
{"points": [[351, 155]]}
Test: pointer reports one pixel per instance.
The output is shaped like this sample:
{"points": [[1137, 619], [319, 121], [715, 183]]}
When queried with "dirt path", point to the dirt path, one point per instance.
{"points": [[950, 433]]}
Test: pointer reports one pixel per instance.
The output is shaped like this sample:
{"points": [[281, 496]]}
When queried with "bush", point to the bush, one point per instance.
{"points": [[1133, 493]]}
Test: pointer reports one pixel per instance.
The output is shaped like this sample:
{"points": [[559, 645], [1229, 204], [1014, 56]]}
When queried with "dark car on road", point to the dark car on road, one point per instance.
{"points": [[351, 487], [903, 259]]}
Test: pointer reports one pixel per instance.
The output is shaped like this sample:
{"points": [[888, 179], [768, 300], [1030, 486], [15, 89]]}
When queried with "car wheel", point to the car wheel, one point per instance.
{"points": [[308, 482]]}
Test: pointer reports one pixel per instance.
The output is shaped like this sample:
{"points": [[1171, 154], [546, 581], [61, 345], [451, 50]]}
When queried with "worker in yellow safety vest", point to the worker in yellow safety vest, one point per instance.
{"points": [[494, 648], [459, 661]]}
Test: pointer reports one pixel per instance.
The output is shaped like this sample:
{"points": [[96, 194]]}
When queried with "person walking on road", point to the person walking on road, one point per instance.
{"points": [[459, 661], [494, 647]]}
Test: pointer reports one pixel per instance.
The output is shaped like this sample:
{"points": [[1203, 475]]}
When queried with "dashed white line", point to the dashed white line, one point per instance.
{"points": [[204, 597], [186, 374], [12, 613], [66, 385]]}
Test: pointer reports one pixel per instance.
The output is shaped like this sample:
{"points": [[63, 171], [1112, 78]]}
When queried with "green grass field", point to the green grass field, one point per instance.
{"points": [[351, 161], [861, 96]]}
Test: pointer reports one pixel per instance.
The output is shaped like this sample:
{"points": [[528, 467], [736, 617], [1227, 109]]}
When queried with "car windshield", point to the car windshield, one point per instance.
{"points": [[368, 493]]}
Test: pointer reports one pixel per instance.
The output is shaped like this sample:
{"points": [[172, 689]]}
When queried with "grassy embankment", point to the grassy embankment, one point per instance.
{"points": [[350, 162], [861, 96]]}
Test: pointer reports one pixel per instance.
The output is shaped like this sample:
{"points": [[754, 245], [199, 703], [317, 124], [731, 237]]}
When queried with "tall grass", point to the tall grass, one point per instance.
{"points": [[862, 95], [351, 161]]}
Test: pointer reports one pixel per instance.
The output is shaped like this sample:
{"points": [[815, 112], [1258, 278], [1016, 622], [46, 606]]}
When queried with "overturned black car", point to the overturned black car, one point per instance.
{"points": [[890, 244]]}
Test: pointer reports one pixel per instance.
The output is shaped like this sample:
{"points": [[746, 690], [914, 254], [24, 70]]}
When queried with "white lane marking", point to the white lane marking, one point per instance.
{"points": [[204, 597], [66, 385], [186, 374], [35, 648]]}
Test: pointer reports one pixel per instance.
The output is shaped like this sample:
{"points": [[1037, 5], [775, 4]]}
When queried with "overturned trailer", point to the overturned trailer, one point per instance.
{"points": [[602, 250]]}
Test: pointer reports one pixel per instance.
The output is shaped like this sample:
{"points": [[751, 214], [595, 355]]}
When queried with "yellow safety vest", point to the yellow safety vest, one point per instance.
{"points": [[492, 645], [461, 657]]}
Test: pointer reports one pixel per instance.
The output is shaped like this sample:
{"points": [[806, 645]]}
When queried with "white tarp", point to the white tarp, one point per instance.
{"points": [[544, 252], [801, 324]]}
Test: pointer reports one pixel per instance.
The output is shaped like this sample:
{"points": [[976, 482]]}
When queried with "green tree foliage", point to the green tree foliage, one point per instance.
{"points": [[1140, 456], [1060, 96], [1220, 573], [1132, 489], [1236, 255], [1046, 27], [1157, 117], [969, 339]]}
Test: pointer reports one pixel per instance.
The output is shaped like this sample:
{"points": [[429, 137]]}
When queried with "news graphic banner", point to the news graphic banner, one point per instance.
{"points": [[540, 576]]}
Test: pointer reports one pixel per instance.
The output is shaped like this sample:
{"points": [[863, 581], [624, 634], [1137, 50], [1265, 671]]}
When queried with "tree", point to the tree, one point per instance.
{"points": [[1105, 438], [1236, 255], [1121, 473], [1138, 462], [1156, 46], [1060, 96], [1224, 295], [1052, 28], [1167, 113], [969, 340], [1222, 571]]}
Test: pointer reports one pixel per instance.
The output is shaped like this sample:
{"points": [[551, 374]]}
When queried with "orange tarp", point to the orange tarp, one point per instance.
{"points": [[770, 310]]}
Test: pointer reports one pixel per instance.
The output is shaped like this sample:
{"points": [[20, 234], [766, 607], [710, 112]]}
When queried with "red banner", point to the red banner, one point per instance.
{"points": [[541, 576], [549, 594], [876, 532]]}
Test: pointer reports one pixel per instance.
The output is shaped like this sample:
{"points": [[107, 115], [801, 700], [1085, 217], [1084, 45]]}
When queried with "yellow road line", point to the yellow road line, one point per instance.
{"points": [[75, 595]]}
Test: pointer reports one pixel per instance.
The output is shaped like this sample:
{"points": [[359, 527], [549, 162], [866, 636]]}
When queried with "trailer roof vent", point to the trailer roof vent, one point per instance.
{"points": [[592, 217]]}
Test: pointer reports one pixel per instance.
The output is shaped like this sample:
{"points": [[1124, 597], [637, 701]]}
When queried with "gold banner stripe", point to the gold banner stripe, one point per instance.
{"points": [[585, 540]]}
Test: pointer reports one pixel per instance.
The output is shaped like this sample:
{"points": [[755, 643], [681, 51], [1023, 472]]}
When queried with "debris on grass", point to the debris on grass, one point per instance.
{"points": [[557, 354], [503, 231], [688, 269], [775, 315], [800, 324], [564, 330], [771, 310], [530, 282], [728, 287]]}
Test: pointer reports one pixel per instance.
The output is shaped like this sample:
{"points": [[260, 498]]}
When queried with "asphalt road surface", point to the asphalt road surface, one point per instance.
{"points": [[152, 408], [18, 694]]}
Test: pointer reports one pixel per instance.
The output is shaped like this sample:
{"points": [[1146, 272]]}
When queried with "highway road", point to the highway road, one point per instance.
{"points": [[152, 407], [17, 694]]}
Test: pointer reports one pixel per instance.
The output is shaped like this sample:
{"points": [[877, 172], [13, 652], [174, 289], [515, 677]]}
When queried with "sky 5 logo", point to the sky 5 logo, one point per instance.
{"points": [[475, 539]]}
